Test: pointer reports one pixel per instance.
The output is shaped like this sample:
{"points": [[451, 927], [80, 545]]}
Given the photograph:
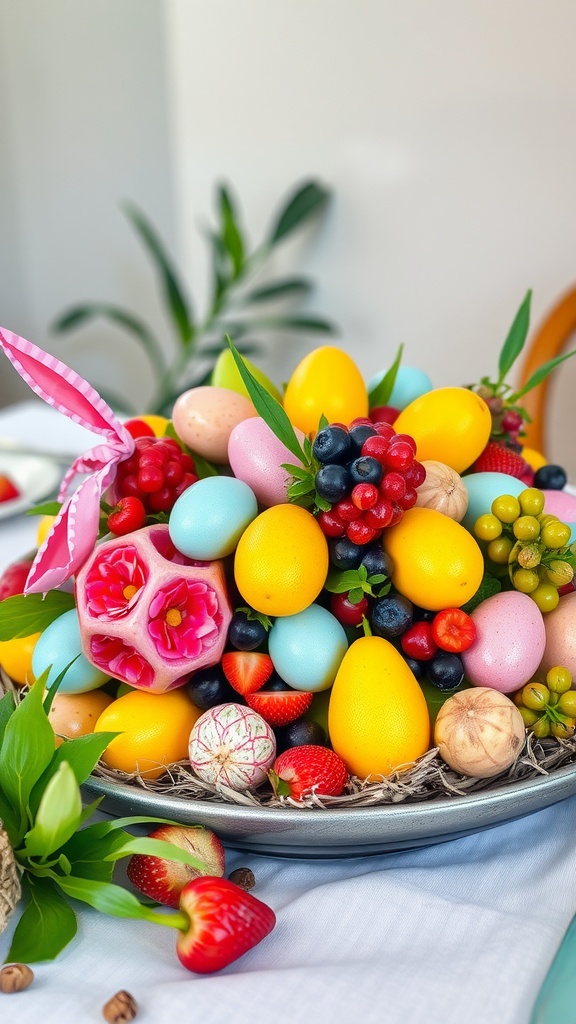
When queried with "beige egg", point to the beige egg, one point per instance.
{"points": [[204, 418], [76, 714], [560, 626]]}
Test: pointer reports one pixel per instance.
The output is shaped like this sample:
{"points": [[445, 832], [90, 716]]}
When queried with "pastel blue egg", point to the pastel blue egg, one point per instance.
{"points": [[307, 648], [482, 489], [59, 645], [410, 383], [209, 518], [573, 532]]}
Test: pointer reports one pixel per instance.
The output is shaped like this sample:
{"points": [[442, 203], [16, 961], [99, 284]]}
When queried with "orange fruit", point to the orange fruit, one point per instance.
{"points": [[76, 714], [327, 381], [155, 728], [377, 718], [281, 561], [450, 425], [437, 563], [16, 658]]}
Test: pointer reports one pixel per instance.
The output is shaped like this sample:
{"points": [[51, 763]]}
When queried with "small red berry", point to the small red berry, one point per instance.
{"points": [[511, 421], [415, 474], [376, 447], [359, 532], [364, 496], [346, 510], [453, 630], [393, 486], [400, 455], [384, 414], [409, 500], [361, 421], [331, 524], [128, 515], [418, 641], [380, 515], [138, 428], [346, 612]]}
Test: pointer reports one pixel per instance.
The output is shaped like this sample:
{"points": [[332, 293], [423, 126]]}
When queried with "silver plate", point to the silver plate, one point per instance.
{"points": [[346, 832]]}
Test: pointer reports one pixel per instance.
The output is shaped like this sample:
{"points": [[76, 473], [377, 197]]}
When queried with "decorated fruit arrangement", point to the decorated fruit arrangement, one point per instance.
{"points": [[302, 592]]}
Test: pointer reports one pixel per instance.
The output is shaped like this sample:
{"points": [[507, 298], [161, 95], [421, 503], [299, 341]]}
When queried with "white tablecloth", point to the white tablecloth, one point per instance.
{"points": [[459, 933]]}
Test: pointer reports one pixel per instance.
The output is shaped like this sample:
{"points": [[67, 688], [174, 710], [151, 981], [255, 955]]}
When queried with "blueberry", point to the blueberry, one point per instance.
{"points": [[415, 666], [391, 615], [298, 733], [276, 683], [550, 478], [208, 687], [245, 634], [423, 614], [332, 482], [377, 561], [358, 435], [332, 445], [366, 470], [344, 554], [445, 671]]}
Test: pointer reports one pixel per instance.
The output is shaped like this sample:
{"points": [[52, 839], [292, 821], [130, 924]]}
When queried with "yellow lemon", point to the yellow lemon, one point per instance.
{"points": [[377, 718], [281, 561], [156, 423], [44, 526], [437, 563], [326, 382], [451, 425]]}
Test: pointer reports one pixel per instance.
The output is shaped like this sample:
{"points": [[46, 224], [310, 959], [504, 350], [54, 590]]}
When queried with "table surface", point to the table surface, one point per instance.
{"points": [[460, 932]]}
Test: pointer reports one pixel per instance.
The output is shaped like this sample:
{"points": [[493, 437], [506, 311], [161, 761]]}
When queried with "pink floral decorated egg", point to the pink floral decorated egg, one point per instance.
{"points": [[233, 746], [148, 615]]}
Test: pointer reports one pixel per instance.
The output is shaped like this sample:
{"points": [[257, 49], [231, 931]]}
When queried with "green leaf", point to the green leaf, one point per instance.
{"points": [[290, 287], [173, 293], [48, 508], [356, 595], [231, 234], [89, 852], [268, 408], [488, 586], [47, 925], [341, 582], [82, 754], [25, 614], [203, 467], [380, 393], [58, 816], [308, 200], [7, 707], [112, 899], [297, 489], [26, 751], [78, 315], [313, 324], [516, 338], [540, 374], [156, 848]]}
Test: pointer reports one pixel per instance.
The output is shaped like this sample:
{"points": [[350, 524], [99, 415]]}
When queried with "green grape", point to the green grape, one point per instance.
{"points": [[531, 501], [487, 527], [559, 572], [526, 528], [555, 535], [529, 557], [567, 703], [546, 597], [499, 550], [559, 680], [526, 581], [541, 728], [564, 729], [506, 508], [529, 717], [535, 696]]}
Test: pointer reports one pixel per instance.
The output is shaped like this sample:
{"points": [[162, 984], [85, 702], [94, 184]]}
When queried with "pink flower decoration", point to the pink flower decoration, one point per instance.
{"points": [[120, 659], [73, 535], [114, 583], [184, 619]]}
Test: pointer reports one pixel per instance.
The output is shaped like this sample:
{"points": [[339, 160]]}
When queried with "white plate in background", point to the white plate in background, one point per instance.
{"points": [[35, 476]]}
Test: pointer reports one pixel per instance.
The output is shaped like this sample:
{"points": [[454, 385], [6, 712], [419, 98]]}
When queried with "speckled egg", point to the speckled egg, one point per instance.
{"points": [[209, 518], [560, 626], [204, 418], [482, 489], [509, 644], [256, 456], [307, 648], [410, 384], [233, 746], [58, 646]]}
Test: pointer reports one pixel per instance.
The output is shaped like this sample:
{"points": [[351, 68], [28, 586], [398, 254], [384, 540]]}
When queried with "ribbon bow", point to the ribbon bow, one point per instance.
{"points": [[74, 532]]}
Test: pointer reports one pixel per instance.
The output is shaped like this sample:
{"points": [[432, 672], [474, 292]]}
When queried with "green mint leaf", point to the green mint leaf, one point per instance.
{"points": [[516, 339], [156, 848], [267, 407], [300, 472], [48, 508], [540, 374], [309, 199], [26, 751], [58, 816], [255, 616], [342, 582], [300, 487], [377, 577], [356, 595], [47, 925], [322, 504], [22, 615], [380, 393]]}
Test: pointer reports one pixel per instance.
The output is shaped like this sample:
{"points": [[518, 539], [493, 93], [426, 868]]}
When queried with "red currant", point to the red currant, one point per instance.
{"points": [[384, 414], [364, 496], [409, 500], [415, 474], [346, 510], [346, 612], [138, 428], [361, 421], [359, 532], [331, 524], [157, 473], [376, 447], [384, 429], [400, 455], [380, 515], [418, 641], [511, 421], [393, 486], [128, 515]]}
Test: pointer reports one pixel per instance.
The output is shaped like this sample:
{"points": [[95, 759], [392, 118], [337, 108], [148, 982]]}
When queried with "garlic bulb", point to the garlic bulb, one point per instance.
{"points": [[479, 732], [443, 490]]}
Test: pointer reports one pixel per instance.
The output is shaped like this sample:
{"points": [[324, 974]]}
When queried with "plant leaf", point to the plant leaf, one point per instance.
{"points": [[540, 374], [155, 848], [516, 338], [289, 287], [58, 816], [309, 199], [47, 925], [81, 753], [268, 408], [25, 614], [7, 708], [315, 324], [47, 508], [109, 898], [26, 751], [231, 234], [380, 393], [176, 302], [78, 315]]}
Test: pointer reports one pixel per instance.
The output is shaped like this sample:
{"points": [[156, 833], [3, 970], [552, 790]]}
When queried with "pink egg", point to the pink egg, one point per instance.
{"points": [[561, 504], [256, 456], [509, 644], [204, 418], [560, 626]]}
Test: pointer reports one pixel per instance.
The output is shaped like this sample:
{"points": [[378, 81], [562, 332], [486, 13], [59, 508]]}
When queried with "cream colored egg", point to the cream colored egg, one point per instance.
{"points": [[204, 418]]}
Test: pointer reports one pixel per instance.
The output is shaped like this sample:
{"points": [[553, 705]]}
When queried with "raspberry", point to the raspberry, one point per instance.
{"points": [[157, 473]]}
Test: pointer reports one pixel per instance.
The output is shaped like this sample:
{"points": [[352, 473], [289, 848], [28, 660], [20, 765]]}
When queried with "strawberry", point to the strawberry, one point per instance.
{"points": [[247, 671], [161, 879], [13, 579], [497, 459], [279, 707], [224, 922], [300, 771]]}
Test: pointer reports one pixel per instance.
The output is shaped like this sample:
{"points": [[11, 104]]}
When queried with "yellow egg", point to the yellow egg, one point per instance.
{"points": [[156, 423], [534, 459], [326, 382], [450, 425]]}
